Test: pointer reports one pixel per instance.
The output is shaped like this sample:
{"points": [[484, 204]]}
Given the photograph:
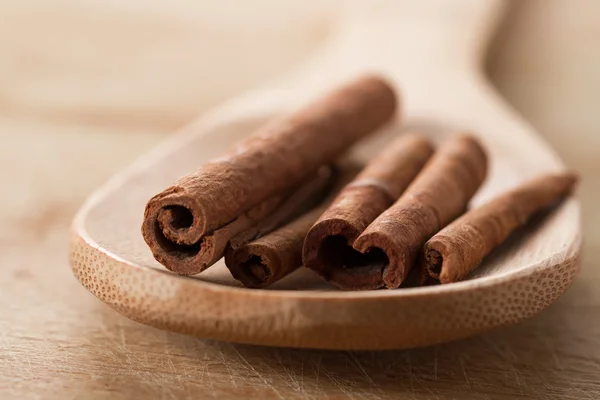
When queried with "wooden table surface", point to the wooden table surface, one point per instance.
{"points": [[86, 86]]}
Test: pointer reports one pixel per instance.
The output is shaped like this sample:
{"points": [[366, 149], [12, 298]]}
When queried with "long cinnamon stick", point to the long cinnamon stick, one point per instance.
{"points": [[454, 252], [328, 245], [180, 221], [302, 200], [267, 216]]}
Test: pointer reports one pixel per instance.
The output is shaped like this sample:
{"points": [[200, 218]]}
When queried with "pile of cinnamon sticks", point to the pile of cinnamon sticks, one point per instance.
{"points": [[281, 199]]}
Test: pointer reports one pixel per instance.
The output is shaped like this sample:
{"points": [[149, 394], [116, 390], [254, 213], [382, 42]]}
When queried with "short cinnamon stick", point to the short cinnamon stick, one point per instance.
{"points": [[264, 261], [328, 245], [454, 252], [184, 221], [260, 261]]}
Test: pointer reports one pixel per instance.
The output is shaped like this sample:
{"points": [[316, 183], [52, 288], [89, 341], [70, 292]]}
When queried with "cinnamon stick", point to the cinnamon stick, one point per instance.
{"points": [[302, 200], [202, 211], [328, 245], [454, 252], [268, 215], [260, 261], [264, 261]]}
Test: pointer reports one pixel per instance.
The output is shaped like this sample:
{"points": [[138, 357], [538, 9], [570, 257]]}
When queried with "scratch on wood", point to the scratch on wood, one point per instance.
{"points": [[211, 384], [258, 374], [362, 369], [435, 363], [410, 373], [302, 375], [178, 374], [290, 373], [464, 371], [508, 358], [230, 374], [317, 374], [340, 385], [122, 333]]}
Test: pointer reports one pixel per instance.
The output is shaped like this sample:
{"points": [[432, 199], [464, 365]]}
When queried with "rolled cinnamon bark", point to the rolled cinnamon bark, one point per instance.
{"points": [[454, 252], [258, 261], [302, 200], [265, 217], [264, 261], [328, 245], [180, 221]]}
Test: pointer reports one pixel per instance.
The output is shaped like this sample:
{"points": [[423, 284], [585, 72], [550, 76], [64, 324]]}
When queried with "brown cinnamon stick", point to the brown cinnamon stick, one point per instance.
{"points": [[454, 252], [265, 217], [302, 200], [260, 261], [228, 195], [328, 245], [264, 261]]}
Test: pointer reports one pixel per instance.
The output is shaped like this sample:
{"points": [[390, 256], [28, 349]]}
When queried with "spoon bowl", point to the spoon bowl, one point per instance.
{"points": [[434, 59]]}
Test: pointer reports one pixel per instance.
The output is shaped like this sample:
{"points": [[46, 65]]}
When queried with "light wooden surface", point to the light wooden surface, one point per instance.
{"points": [[62, 134]]}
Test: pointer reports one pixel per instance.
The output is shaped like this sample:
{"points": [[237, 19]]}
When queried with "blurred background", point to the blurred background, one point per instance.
{"points": [[88, 85]]}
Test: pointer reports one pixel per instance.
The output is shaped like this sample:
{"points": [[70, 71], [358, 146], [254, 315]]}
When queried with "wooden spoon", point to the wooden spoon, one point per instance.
{"points": [[433, 51]]}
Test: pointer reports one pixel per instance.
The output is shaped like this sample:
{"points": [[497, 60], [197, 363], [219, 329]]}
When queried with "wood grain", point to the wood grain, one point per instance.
{"points": [[57, 341]]}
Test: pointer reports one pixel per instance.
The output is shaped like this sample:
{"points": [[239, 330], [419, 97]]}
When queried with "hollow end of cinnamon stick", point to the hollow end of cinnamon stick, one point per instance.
{"points": [[434, 261], [435, 254], [393, 272], [444, 261], [270, 258], [252, 265], [328, 251], [172, 228], [179, 220]]}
